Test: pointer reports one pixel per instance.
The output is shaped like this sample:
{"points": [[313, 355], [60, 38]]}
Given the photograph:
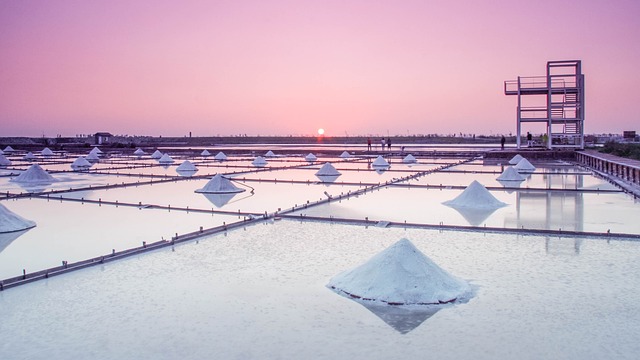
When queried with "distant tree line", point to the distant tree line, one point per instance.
{"points": [[625, 150]]}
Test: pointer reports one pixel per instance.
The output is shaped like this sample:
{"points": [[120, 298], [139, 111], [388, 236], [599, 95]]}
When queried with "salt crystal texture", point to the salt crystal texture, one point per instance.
{"points": [[219, 185], [34, 174], [400, 275], [10, 222], [475, 196]]}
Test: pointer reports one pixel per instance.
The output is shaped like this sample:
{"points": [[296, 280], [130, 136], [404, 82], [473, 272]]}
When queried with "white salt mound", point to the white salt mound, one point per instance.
{"points": [[186, 166], [156, 154], [166, 159], [380, 162], [29, 156], [516, 159], [34, 174], [220, 156], [328, 170], [269, 154], [4, 161], [400, 275], [220, 185], [524, 166], [345, 155], [205, 152], [475, 196], [1, 152], [139, 152], [8, 149], [80, 163], [310, 157], [10, 221], [259, 161], [92, 157], [47, 152], [510, 174], [409, 159]]}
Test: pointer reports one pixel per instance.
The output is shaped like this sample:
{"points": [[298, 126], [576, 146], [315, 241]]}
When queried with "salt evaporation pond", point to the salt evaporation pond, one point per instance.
{"points": [[260, 293]]}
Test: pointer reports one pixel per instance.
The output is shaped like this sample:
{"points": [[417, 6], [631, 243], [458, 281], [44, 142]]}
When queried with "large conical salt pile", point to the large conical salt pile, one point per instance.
{"points": [[1, 152], [166, 159], [29, 156], [47, 152], [475, 196], [310, 157], [524, 166], [380, 162], [328, 170], [81, 163], [220, 156], [139, 152], [259, 161], [409, 159], [8, 149], [186, 166], [156, 154], [205, 152], [400, 275], [220, 185], [4, 161], [269, 154], [93, 157], [96, 151], [10, 221], [516, 159], [345, 155], [34, 174], [510, 174]]}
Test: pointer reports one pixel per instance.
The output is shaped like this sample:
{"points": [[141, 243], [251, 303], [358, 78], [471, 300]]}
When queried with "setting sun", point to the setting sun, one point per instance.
{"points": [[321, 131]]}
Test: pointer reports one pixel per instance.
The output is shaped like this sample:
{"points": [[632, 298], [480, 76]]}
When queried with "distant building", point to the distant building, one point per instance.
{"points": [[629, 135], [102, 138]]}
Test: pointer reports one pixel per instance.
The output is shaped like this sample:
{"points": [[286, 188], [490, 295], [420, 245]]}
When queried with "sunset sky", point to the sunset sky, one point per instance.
{"points": [[356, 67]]}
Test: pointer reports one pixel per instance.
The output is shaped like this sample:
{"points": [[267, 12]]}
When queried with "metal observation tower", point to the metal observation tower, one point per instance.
{"points": [[556, 100]]}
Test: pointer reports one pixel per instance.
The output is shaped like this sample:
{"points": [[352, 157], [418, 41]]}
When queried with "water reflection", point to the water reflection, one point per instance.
{"points": [[474, 216], [219, 200], [400, 318], [328, 179], [7, 238]]}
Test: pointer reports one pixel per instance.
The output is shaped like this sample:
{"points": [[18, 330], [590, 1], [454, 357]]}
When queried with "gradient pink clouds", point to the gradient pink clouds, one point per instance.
{"points": [[291, 67]]}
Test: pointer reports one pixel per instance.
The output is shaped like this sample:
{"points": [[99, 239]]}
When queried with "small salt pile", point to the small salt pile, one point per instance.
{"points": [[475, 196], [400, 275], [205, 152], [380, 162], [516, 159], [524, 166], [270, 154], [166, 159], [33, 175], [81, 163], [46, 152], [10, 221], [187, 166], [409, 159], [510, 174], [139, 152], [328, 170], [93, 157], [29, 156], [310, 157], [259, 161], [156, 154], [220, 156], [4, 161], [220, 185], [345, 155]]}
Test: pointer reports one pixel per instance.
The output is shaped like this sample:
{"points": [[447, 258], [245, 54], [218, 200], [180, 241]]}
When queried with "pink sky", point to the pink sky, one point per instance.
{"points": [[352, 67]]}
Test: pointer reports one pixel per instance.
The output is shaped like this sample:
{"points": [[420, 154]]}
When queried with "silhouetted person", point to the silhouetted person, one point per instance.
{"points": [[529, 139], [382, 144], [369, 144], [389, 144], [502, 141]]}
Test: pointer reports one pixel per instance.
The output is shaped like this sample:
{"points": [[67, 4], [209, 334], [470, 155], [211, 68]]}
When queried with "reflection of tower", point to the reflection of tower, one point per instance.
{"points": [[561, 209]]}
